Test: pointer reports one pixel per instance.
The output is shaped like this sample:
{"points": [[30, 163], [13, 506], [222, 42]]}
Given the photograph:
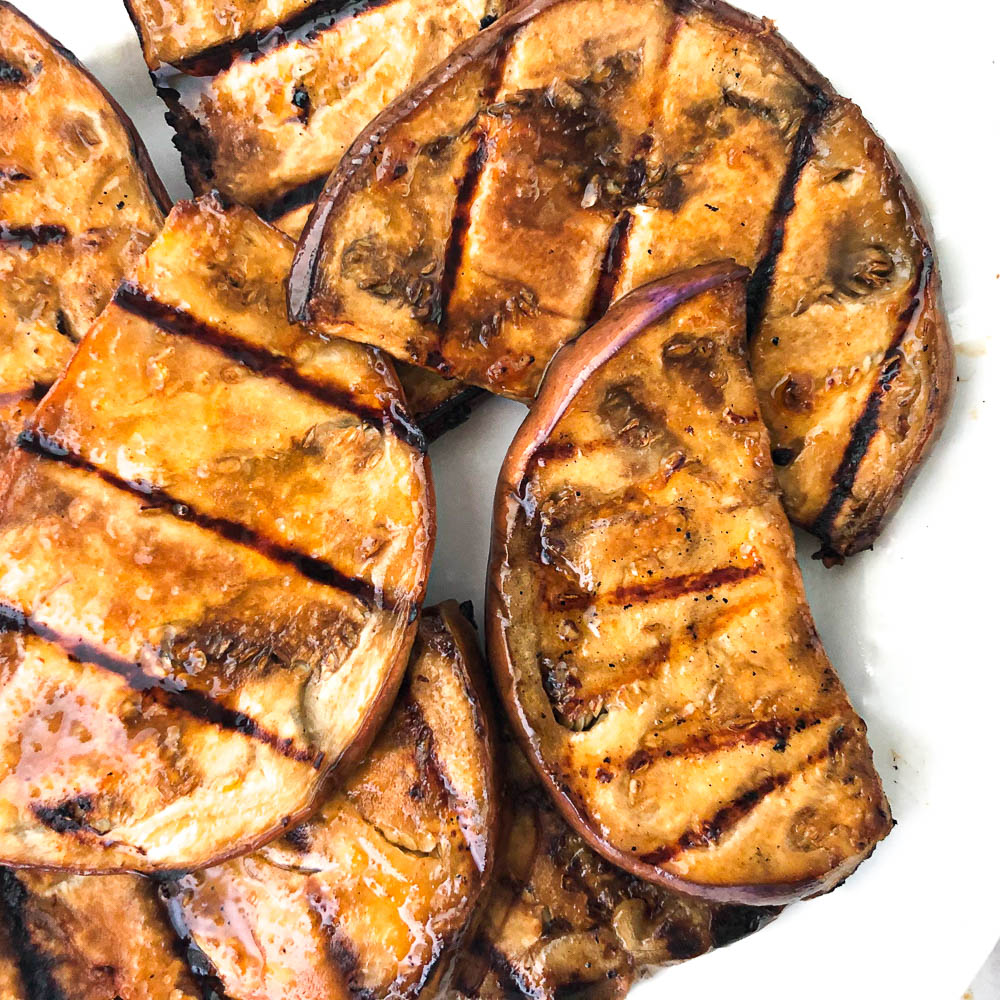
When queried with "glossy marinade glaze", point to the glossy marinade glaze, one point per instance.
{"points": [[577, 148], [647, 623], [79, 203], [370, 896], [213, 555]]}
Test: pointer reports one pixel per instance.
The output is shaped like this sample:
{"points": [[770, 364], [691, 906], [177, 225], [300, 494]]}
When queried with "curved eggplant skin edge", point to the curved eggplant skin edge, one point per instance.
{"points": [[138, 147], [566, 374]]}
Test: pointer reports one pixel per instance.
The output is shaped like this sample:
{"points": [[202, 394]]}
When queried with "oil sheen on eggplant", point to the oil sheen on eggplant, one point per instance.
{"points": [[561, 921], [647, 623], [213, 545], [577, 148], [265, 99], [79, 202], [372, 895]]}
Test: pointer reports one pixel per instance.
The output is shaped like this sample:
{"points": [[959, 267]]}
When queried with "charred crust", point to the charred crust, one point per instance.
{"points": [[11, 75], [451, 413], [29, 237], [733, 922], [69, 816], [35, 967]]}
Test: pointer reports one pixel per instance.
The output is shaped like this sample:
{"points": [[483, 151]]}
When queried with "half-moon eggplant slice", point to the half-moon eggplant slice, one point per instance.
{"points": [[578, 148], [81, 937], [79, 202], [561, 921], [214, 544], [647, 623], [851, 325], [372, 895]]}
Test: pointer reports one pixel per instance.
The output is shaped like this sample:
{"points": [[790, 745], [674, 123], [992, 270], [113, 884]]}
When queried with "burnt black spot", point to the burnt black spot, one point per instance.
{"points": [[32, 236], [683, 941], [485, 22], [468, 612], [66, 817], [298, 837], [302, 103], [10, 74], [782, 456], [35, 967]]}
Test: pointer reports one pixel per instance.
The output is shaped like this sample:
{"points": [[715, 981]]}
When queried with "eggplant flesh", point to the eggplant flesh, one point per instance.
{"points": [[213, 554], [582, 148], [648, 625], [561, 920], [79, 202], [379, 887]]}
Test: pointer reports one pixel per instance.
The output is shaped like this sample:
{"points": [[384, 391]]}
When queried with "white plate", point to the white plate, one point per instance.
{"points": [[908, 625]]}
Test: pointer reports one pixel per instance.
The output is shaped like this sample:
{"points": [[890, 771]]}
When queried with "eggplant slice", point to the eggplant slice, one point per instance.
{"points": [[213, 546], [578, 148], [648, 626], [82, 937], [378, 888], [79, 202], [560, 921], [265, 120]]}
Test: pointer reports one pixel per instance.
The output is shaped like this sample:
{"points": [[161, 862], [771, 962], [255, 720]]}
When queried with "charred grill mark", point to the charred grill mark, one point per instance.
{"points": [[303, 194], [734, 921], [611, 266], [317, 570], [774, 731], [66, 817], [451, 413], [132, 299], [668, 588], [29, 237], [460, 220], [711, 830], [167, 691], [11, 75], [866, 426], [759, 285], [34, 966]]}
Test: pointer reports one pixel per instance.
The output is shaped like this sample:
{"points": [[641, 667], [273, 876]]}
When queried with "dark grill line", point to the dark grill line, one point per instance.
{"points": [[866, 426], [134, 300], [33, 965], [611, 267], [305, 24], [710, 831], [314, 569], [302, 194], [167, 691], [759, 286]]}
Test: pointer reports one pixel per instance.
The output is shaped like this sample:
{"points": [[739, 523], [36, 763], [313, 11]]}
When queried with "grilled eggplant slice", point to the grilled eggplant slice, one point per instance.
{"points": [[214, 548], [374, 891], [852, 325], [578, 148], [92, 938], [647, 622], [79, 202], [560, 921]]}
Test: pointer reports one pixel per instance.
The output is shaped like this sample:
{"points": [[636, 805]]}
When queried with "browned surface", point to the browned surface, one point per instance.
{"points": [[79, 202], [11, 982], [593, 146], [560, 919], [381, 884], [851, 359], [233, 545], [97, 938], [648, 625]]}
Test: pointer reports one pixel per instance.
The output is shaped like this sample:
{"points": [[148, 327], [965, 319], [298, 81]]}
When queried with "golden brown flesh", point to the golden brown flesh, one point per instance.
{"points": [[583, 147], [647, 622], [94, 938], [79, 202], [368, 896], [216, 548], [851, 357], [560, 919]]}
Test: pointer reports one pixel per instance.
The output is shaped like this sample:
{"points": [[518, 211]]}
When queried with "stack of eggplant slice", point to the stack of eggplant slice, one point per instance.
{"points": [[240, 759]]}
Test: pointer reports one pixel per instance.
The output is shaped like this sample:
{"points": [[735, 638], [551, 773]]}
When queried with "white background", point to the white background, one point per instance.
{"points": [[910, 625]]}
